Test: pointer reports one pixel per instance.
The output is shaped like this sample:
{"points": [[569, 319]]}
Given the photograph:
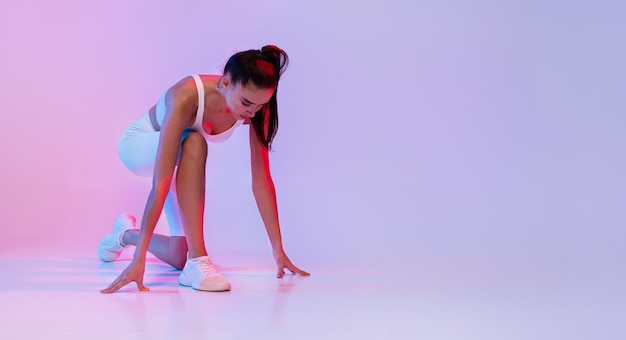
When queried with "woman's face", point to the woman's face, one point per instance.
{"points": [[244, 101]]}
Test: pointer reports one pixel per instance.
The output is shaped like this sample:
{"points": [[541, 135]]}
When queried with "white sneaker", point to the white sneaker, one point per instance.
{"points": [[200, 274], [111, 245]]}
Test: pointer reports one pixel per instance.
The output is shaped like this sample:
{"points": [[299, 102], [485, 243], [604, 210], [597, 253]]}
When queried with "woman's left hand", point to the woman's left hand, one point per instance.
{"points": [[283, 262]]}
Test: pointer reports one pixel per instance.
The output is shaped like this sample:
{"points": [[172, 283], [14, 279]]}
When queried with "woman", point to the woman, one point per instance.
{"points": [[170, 143]]}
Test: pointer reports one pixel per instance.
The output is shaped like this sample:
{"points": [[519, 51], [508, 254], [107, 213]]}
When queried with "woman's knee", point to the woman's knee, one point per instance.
{"points": [[194, 147]]}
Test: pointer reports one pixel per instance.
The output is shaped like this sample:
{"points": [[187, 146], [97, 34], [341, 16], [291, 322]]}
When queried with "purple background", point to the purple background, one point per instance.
{"points": [[484, 135]]}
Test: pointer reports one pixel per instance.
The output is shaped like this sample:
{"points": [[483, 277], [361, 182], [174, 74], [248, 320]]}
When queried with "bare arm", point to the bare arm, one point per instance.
{"points": [[180, 108], [177, 117], [265, 196]]}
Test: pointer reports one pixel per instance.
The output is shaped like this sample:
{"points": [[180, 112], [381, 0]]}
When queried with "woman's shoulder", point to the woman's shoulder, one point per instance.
{"points": [[188, 87]]}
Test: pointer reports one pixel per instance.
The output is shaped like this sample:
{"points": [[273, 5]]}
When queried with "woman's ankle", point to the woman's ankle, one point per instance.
{"points": [[129, 238]]}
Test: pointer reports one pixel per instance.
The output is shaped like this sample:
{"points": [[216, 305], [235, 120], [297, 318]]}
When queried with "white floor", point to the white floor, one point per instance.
{"points": [[57, 297]]}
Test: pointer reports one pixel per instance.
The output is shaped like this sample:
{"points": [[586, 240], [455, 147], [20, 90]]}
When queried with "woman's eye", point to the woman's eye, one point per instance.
{"points": [[245, 104]]}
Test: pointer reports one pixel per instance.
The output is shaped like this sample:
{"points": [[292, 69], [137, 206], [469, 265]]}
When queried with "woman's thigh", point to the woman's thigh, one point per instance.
{"points": [[139, 144], [138, 152]]}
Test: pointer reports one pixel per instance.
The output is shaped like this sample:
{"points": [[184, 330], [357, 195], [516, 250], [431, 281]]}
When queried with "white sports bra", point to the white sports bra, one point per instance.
{"points": [[197, 125]]}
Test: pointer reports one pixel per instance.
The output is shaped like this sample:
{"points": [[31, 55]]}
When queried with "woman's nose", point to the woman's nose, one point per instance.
{"points": [[254, 110]]}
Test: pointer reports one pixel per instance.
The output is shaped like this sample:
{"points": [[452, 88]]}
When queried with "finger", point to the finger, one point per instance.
{"points": [[298, 271], [116, 285], [281, 272], [117, 280], [110, 289], [141, 287]]}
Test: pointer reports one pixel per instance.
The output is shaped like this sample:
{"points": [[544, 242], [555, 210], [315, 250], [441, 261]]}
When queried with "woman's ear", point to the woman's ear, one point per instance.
{"points": [[223, 83]]}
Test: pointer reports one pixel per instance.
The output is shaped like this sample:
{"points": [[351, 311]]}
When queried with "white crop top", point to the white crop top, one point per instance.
{"points": [[197, 125]]}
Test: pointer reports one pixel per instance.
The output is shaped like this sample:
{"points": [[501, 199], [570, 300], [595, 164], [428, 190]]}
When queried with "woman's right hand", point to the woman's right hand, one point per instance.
{"points": [[134, 272]]}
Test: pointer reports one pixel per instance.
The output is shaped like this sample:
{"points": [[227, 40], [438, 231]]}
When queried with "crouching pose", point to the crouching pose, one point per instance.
{"points": [[169, 143]]}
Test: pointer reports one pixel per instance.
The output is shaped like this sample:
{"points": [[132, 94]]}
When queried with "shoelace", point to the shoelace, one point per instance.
{"points": [[125, 223], [113, 242], [206, 267], [116, 242]]}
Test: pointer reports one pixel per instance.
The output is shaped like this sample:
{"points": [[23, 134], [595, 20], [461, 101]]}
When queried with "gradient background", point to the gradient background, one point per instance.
{"points": [[479, 136]]}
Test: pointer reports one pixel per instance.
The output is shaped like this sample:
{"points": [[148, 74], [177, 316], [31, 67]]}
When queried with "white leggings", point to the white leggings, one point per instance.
{"points": [[137, 149]]}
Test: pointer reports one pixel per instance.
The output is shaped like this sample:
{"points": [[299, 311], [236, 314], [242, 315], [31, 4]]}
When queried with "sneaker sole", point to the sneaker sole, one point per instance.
{"points": [[183, 280]]}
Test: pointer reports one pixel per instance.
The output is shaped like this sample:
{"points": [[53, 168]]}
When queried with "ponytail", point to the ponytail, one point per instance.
{"points": [[252, 65]]}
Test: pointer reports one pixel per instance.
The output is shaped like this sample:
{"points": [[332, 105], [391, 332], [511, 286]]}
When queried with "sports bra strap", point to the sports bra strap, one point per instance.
{"points": [[200, 87]]}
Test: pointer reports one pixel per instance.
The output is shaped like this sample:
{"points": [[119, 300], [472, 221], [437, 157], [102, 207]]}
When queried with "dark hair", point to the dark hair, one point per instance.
{"points": [[263, 68]]}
